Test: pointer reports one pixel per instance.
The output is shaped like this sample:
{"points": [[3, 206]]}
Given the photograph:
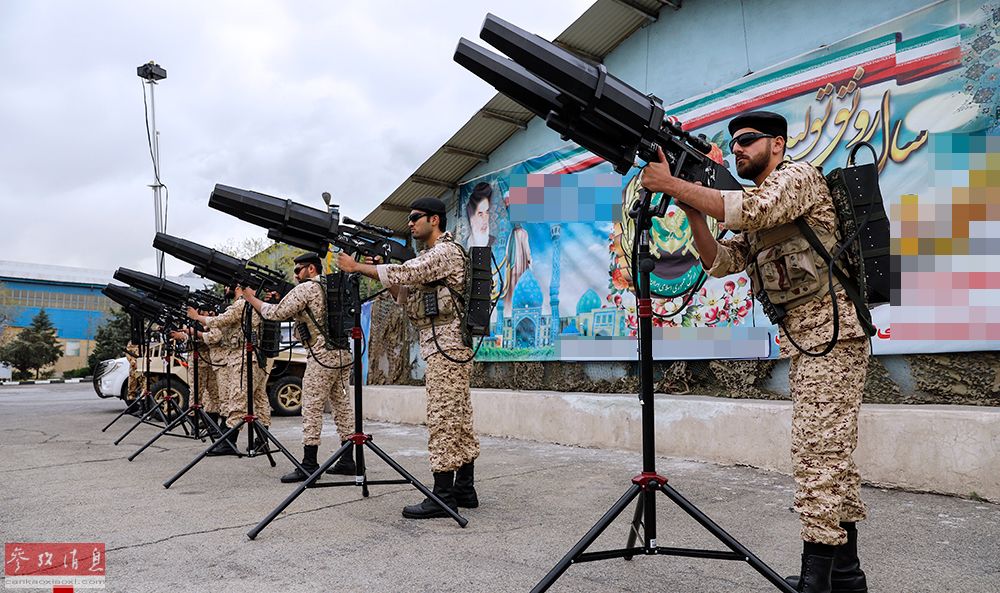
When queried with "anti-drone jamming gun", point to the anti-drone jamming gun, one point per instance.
{"points": [[170, 293], [305, 227], [585, 104], [219, 267], [144, 306]]}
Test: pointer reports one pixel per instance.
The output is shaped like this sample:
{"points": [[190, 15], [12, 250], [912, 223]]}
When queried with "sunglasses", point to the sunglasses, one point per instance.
{"points": [[298, 269], [414, 217], [747, 139]]}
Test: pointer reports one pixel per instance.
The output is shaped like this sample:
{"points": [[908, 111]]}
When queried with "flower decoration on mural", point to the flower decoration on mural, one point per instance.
{"points": [[720, 305]]}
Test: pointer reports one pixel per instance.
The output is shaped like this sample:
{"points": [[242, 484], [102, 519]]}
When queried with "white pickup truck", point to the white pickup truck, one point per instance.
{"points": [[284, 384]]}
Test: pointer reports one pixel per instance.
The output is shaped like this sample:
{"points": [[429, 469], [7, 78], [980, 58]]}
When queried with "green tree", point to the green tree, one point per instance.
{"points": [[111, 337], [35, 347]]}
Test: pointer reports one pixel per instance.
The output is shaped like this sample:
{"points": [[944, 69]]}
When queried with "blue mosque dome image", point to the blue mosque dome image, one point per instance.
{"points": [[588, 302], [527, 294]]}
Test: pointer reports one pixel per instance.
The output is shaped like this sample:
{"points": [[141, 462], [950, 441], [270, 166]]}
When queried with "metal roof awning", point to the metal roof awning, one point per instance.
{"points": [[598, 31]]}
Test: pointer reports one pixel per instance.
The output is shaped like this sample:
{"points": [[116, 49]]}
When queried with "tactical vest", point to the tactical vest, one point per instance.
{"points": [[448, 307], [308, 331], [415, 306], [789, 270]]}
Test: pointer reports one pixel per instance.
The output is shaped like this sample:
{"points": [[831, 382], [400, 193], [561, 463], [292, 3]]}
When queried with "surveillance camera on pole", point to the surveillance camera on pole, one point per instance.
{"points": [[152, 73]]}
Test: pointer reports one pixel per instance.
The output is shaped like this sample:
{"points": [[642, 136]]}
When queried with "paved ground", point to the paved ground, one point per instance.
{"points": [[63, 480]]}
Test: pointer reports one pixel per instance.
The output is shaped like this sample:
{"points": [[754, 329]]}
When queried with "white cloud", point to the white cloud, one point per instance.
{"points": [[288, 98]]}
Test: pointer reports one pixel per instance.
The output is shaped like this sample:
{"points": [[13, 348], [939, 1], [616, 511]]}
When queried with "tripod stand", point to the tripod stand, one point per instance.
{"points": [[258, 435], [150, 398], [646, 485], [194, 415], [356, 442], [138, 337]]}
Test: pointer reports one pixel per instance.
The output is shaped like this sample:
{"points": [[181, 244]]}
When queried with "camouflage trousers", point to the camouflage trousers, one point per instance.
{"points": [[208, 388], [321, 384], [826, 396], [452, 442], [232, 381], [136, 384]]}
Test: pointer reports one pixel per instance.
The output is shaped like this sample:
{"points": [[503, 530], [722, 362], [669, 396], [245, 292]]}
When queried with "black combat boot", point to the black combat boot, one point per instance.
{"points": [[309, 464], [465, 491], [225, 446], [846, 576], [345, 465], [444, 485], [817, 566]]}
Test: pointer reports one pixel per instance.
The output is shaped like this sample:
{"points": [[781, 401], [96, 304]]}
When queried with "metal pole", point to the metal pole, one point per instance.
{"points": [[157, 203]]}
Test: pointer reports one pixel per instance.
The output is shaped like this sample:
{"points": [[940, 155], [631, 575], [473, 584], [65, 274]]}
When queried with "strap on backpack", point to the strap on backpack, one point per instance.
{"points": [[849, 284]]}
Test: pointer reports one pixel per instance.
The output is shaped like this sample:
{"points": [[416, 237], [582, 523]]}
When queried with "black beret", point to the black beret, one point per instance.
{"points": [[762, 121], [482, 190], [309, 257], [429, 205]]}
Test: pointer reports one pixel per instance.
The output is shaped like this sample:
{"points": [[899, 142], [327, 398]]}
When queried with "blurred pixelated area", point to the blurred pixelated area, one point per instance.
{"points": [[946, 246]]}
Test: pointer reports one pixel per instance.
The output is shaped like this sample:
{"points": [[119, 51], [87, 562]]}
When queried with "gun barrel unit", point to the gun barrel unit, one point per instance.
{"points": [[584, 103], [220, 267], [307, 227], [138, 304], [170, 293], [163, 290], [286, 221]]}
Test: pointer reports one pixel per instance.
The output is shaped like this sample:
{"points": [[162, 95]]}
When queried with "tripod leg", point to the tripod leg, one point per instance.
{"points": [[360, 474], [252, 534], [588, 539], [462, 521], [141, 419], [633, 533], [180, 414], [165, 430], [766, 571], [128, 410], [265, 436], [195, 427], [212, 429], [201, 456]]}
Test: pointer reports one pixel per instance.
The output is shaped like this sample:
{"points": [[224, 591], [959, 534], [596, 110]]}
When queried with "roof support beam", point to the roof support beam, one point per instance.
{"points": [[650, 15], [433, 182], [479, 156], [580, 52], [675, 4], [490, 114], [393, 208]]}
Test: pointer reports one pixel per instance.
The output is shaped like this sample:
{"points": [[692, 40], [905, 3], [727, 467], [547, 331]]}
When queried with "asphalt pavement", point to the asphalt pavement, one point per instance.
{"points": [[64, 481]]}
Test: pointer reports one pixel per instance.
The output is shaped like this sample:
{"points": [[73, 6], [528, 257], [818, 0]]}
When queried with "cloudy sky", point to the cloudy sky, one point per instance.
{"points": [[290, 98]]}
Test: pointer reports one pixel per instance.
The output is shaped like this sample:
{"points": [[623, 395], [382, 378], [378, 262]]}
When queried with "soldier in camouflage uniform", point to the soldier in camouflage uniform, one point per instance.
{"points": [[440, 270], [208, 389], [328, 365], [136, 376], [225, 337], [826, 391]]}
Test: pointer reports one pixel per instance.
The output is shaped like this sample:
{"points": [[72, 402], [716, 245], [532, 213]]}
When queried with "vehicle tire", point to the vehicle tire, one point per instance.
{"points": [[179, 389], [285, 395]]}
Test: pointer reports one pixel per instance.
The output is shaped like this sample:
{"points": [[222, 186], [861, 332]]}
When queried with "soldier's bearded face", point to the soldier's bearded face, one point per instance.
{"points": [[421, 227], [752, 160]]}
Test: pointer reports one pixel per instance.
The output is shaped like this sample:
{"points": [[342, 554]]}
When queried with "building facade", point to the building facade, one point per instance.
{"points": [[70, 296]]}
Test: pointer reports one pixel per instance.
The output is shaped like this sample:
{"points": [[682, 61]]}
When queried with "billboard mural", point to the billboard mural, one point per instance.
{"points": [[923, 89]]}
